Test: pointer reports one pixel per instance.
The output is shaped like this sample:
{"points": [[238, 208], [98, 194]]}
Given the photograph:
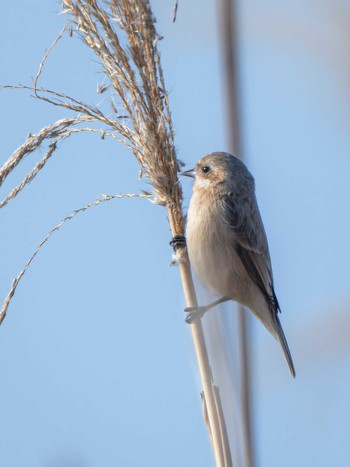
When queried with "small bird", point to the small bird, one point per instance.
{"points": [[227, 244]]}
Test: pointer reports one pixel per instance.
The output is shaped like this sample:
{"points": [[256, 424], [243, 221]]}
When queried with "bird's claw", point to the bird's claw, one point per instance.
{"points": [[194, 312], [179, 241]]}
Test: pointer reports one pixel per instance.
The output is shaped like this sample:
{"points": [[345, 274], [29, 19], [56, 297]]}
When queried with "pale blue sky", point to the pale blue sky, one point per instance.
{"points": [[96, 365]]}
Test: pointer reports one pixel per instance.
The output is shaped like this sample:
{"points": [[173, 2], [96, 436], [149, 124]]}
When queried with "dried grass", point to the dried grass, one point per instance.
{"points": [[122, 35], [141, 118], [134, 71]]}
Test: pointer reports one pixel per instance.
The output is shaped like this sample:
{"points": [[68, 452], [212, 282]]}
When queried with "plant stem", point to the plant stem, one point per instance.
{"points": [[230, 57], [211, 400]]}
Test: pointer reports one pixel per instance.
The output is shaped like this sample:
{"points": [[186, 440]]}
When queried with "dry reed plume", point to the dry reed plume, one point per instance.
{"points": [[122, 35]]}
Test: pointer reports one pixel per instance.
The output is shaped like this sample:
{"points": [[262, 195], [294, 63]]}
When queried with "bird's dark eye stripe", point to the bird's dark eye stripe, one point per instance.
{"points": [[205, 169]]}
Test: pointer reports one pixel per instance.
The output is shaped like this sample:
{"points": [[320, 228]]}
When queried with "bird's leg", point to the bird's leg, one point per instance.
{"points": [[194, 312]]}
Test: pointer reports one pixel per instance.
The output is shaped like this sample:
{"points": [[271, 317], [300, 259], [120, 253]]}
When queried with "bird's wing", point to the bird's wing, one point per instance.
{"points": [[250, 242]]}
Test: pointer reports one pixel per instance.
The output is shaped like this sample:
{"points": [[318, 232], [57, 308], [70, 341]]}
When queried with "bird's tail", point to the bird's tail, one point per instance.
{"points": [[279, 334]]}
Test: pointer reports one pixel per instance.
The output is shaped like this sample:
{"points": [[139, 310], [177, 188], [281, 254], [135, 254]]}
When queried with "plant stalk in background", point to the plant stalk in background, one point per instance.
{"points": [[228, 25]]}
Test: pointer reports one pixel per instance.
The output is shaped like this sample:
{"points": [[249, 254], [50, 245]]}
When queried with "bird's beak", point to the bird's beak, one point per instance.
{"points": [[189, 173]]}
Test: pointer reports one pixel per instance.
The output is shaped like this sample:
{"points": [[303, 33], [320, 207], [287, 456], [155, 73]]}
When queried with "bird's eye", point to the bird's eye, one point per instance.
{"points": [[205, 169]]}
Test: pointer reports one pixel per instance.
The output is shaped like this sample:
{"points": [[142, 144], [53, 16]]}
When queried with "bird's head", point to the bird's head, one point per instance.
{"points": [[219, 170]]}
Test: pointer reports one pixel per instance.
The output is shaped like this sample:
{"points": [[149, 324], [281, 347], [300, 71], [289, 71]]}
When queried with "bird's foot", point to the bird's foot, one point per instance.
{"points": [[195, 312], [178, 241]]}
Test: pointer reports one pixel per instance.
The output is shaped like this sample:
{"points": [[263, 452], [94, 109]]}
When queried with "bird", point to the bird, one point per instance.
{"points": [[227, 244]]}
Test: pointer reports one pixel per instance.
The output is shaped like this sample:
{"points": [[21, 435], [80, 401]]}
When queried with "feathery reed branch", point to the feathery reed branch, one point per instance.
{"points": [[54, 131], [47, 53], [29, 177], [134, 71], [96, 202], [52, 147]]}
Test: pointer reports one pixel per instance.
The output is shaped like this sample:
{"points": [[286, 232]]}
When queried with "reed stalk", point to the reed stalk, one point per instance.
{"points": [[122, 35], [228, 27]]}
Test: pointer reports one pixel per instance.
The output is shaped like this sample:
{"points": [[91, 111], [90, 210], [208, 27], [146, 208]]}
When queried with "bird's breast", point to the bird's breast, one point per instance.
{"points": [[209, 242]]}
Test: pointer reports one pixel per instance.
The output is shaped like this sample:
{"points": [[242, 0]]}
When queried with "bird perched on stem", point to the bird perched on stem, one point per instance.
{"points": [[227, 244]]}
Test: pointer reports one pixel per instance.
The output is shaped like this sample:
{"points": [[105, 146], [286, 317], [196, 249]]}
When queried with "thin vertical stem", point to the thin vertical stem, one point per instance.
{"points": [[224, 436], [214, 416], [230, 59], [229, 50], [245, 388]]}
